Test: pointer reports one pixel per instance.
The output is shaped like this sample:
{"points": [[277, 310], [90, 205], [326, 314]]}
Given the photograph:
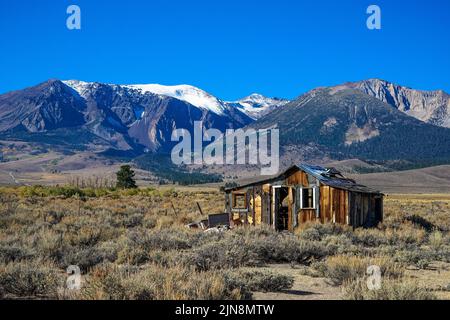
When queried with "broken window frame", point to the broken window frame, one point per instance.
{"points": [[234, 202], [314, 195]]}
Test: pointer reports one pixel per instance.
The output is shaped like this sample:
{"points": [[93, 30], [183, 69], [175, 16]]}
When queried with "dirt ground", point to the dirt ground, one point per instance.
{"points": [[435, 278], [304, 288]]}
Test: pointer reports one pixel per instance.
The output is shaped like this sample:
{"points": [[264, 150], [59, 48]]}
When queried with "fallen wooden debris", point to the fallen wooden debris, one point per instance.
{"points": [[215, 222], [218, 229]]}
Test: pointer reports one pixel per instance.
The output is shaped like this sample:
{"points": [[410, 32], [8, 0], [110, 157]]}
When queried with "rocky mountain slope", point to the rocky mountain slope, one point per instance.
{"points": [[369, 120], [126, 117], [257, 105], [429, 106], [343, 123]]}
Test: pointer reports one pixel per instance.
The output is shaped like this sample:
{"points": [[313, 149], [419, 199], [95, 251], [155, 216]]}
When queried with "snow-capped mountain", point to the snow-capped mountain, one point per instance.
{"points": [[187, 93], [190, 94], [126, 116], [257, 105], [254, 105], [372, 119]]}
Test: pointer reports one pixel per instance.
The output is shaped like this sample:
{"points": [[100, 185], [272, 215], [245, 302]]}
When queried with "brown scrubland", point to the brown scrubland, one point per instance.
{"points": [[135, 245]]}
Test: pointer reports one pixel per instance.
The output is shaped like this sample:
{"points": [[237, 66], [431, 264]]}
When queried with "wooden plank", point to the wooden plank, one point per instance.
{"points": [[351, 209], [361, 221], [343, 207], [337, 204], [305, 180], [325, 204], [366, 209], [199, 208], [357, 209], [258, 209], [332, 217], [307, 215], [290, 202], [346, 204]]}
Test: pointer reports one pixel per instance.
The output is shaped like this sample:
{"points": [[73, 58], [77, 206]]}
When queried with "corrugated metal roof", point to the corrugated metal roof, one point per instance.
{"points": [[328, 176]]}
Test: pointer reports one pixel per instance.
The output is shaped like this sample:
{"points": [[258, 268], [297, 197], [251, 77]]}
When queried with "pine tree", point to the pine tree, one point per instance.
{"points": [[125, 178]]}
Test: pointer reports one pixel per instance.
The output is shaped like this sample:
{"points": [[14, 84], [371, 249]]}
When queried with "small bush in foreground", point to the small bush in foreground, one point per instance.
{"points": [[26, 280], [249, 281], [342, 269], [390, 290], [177, 283]]}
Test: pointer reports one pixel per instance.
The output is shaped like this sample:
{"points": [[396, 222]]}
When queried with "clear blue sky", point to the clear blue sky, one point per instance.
{"points": [[230, 48]]}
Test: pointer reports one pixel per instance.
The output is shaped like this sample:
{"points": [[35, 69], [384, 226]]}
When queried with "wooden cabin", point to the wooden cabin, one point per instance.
{"points": [[304, 193]]}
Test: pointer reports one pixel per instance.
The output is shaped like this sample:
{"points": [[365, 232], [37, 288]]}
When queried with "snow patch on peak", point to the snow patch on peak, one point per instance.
{"points": [[255, 96], [256, 105], [187, 93], [260, 101], [81, 87], [190, 94]]}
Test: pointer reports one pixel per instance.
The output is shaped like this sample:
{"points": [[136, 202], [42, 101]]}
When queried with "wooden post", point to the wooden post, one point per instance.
{"points": [[199, 208], [253, 207], [173, 207]]}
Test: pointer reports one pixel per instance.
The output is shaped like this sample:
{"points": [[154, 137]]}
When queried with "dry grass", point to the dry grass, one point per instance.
{"points": [[341, 269], [391, 289], [134, 245]]}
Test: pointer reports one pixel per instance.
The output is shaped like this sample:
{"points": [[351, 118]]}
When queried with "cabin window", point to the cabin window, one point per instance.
{"points": [[239, 201], [307, 198]]}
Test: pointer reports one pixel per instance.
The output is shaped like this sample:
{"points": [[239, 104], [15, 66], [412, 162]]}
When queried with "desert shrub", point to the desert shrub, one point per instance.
{"points": [[264, 281], [421, 222], [9, 204], [342, 268], [14, 253], [177, 283], [318, 231], [164, 284], [164, 258], [104, 283], [85, 236], [110, 249], [84, 258], [340, 244], [133, 221], [164, 222], [219, 255], [156, 283], [247, 247], [370, 237], [160, 239], [287, 248], [405, 234], [132, 256], [41, 191], [269, 246], [391, 289], [420, 257], [129, 192], [47, 244], [28, 280], [149, 222], [436, 240]]}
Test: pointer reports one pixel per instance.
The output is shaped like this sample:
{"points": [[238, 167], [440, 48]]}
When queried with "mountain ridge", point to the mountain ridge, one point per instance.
{"points": [[428, 106], [347, 123], [122, 115], [352, 120]]}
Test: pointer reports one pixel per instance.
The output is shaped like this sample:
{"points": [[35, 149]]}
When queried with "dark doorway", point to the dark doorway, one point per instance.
{"points": [[378, 210], [281, 208]]}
